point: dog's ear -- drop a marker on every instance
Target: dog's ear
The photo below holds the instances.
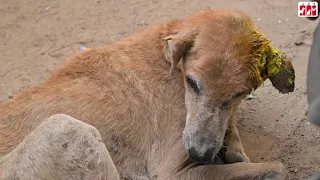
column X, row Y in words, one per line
column 278, row 69
column 284, row 79
column 176, row 46
column 274, row 65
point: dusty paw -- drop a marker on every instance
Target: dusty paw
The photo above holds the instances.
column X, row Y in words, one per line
column 235, row 156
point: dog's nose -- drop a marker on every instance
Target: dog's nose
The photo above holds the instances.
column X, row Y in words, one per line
column 195, row 155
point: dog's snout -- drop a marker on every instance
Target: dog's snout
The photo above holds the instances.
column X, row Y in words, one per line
column 202, row 157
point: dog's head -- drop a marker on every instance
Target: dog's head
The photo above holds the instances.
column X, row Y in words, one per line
column 223, row 58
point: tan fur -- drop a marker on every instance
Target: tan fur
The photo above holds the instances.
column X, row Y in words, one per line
column 127, row 92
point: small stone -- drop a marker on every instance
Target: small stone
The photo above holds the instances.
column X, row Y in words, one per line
column 250, row 96
column 292, row 145
column 259, row 19
column 82, row 48
column 279, row 21
column 122, row 32
column 47, row 8
column 295, row 170
column 299, row 43
column 10, row 95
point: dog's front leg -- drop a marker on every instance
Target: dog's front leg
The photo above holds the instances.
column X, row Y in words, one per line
column 239, row 171
column 234, row 151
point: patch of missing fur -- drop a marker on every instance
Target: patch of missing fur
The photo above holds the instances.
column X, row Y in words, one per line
column 65, row 145
column 91, row 165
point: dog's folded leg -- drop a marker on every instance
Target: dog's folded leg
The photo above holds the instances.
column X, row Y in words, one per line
column 234, row 151
column 238, row 171
column 60, row 148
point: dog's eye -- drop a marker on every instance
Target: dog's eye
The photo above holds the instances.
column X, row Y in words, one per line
column 227, row 104
column 241, row 94
column 193, row 84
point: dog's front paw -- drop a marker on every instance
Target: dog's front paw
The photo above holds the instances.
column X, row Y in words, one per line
column 234, row 155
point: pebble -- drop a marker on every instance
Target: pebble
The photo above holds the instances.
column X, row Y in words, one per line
column 122, row 32
column 47, row 8
column 250, row 96
column 82, row 48
column 10, row 95
column 299, row 43
column 279, row 21
column 295, row 170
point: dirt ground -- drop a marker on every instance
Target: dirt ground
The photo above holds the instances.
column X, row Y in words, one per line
column 36, row 36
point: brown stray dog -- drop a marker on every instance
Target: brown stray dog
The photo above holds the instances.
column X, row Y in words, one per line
column 162, row 99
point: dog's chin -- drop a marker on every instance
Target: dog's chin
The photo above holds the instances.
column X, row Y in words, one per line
column 217, row 158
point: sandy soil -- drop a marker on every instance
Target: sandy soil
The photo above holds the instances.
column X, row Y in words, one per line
column 35, row 36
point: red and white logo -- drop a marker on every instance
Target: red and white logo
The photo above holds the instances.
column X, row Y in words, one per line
column 308, row 9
